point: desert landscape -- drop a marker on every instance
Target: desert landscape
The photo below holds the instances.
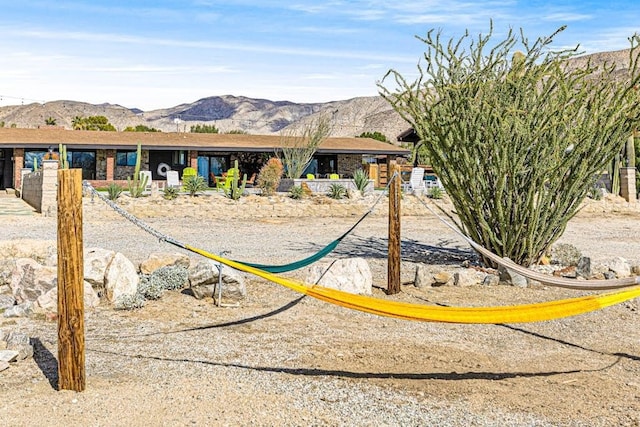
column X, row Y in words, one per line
column 283, row 359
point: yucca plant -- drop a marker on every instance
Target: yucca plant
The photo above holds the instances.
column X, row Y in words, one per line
column 361, row 180
column 170, row 193
column 194, row 185
column 517, row 139
column 114, row 191
column 296, row 192
column 337, row 191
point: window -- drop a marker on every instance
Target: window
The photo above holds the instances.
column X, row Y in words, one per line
column 180, row 158
column 126, row 158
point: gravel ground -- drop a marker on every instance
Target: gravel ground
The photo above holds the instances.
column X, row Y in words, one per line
column 279, row 359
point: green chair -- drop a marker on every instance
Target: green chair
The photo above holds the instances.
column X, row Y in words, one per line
column 225, row 184
column 311, row 176
column 334, row 176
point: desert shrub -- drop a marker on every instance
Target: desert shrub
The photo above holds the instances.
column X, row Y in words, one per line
column 170, row 278
column 269, row 176
column 296, row 192
column 549, row 129
column 435, row 193
column 361, row 180
column 150, row 291
column 337, row 191
column 194, row 185
column 114, row 191
column 129, row 302
column 170, row 193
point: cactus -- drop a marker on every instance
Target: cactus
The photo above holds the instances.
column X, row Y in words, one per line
column 63, row 162
column 137, row 185
column 234, row 192
column 631, row 152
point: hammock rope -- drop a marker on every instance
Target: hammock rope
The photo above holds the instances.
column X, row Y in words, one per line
column 283, row 268
column 559, row 282
column 536, row 312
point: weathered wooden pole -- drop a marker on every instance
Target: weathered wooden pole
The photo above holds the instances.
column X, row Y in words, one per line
column 71, row 369
column 393, row 263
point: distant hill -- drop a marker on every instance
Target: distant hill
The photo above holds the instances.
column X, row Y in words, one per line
column 228, row 113
column 255, row 116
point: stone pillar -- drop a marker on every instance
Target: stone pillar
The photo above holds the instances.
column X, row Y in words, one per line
column 193, row 159
column 628, row 184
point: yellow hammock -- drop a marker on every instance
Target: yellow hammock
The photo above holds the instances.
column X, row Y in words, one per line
column 537, row 312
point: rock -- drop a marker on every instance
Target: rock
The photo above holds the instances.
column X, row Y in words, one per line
column 6, row 301
column 21, row 343
column 511, row 278
column 21, row 310
column 583, row 269
column 96, row 262
column 3, row 366
column 565, row 254
column 620, row 267
column 121, row 278
column 423, row 277
column 491, row 280
column 569, row 271
column 635, row 270
column 9, row 355
column 158, row 260
column 351, row 275
column 48, row 302
column 203, row 280
column 6, row 270
column 42, row 251
column 468, row 277
column 442, row 278
column 31, row 279
column 609, row 275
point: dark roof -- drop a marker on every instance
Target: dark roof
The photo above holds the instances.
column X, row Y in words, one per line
column 409, row 135
column 74, row 139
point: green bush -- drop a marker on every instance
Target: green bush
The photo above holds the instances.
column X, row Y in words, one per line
column 436, row 193
column 194, row 185
column 170, row 193
column 516, row 137
column 337, row 191
column 114, row 191
column 296, row 192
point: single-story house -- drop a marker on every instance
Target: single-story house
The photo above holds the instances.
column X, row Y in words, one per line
column 111, row 156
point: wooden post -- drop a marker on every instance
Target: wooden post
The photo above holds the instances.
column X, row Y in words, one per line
column 393, row 262
column 71, row 369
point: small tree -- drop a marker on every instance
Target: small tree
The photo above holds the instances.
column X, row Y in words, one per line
column 204, row 129
column 269, row 176
column 374, row 135
column 517, row 139
column 299, row 145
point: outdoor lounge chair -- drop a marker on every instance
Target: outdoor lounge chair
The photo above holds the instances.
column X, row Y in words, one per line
column 173, row 179
column 416, row 181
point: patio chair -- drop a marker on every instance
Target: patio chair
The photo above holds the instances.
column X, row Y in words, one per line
column 225, row 183
column 416, row 182
column 311, row 176
column 173, row 179
column 188, row 172
column 334, row 176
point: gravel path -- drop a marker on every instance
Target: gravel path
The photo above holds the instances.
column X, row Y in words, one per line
column 282, row 360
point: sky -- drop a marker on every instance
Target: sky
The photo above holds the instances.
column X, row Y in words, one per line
column 161, row 53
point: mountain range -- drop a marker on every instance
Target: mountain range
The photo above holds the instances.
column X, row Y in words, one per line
column 228, row 113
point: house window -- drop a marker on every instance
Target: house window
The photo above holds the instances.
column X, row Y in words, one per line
column 126, row 158
column 327, row 164
column 180, row 158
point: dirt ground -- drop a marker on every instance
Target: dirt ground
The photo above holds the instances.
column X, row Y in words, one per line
column 281, row 359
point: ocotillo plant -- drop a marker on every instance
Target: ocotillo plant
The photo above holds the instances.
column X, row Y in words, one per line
column 137, row 185
column 517, row 144
column 234, row 192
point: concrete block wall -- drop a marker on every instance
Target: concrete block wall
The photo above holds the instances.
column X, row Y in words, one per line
column 39, row 188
